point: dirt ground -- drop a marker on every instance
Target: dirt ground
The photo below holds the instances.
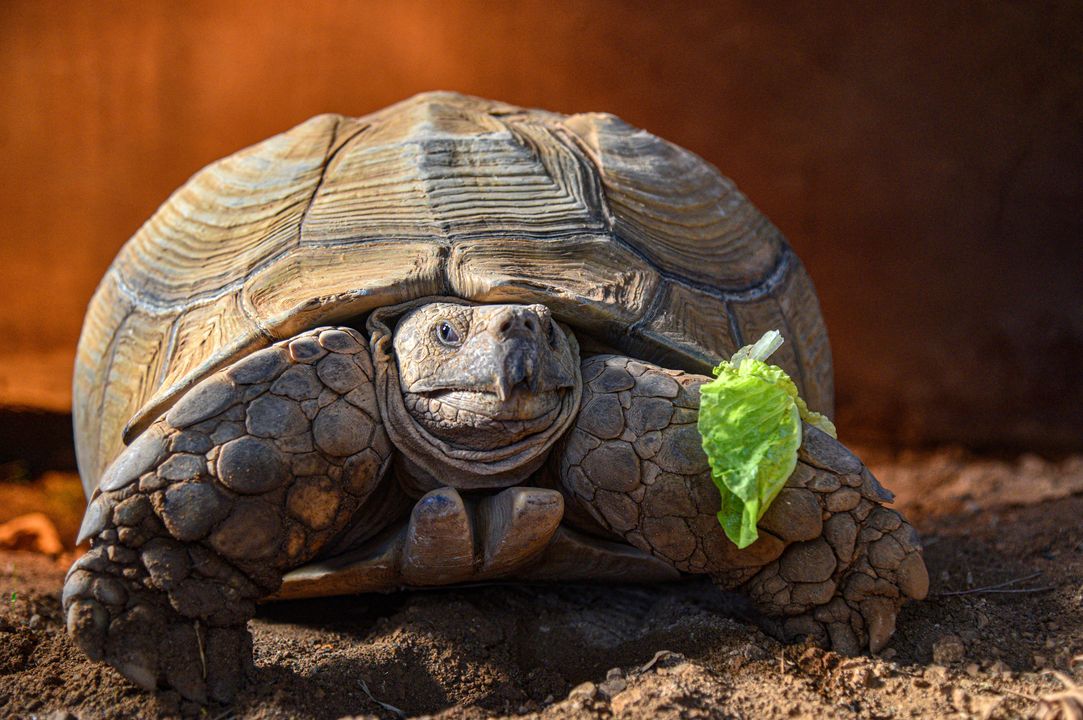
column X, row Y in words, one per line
column 1004, row 545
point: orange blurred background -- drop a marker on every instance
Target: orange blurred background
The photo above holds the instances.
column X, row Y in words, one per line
column 925, row 160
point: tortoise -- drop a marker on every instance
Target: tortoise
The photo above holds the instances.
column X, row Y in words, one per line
column 452, row 341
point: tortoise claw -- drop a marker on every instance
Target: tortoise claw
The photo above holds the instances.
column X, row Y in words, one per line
column 879, row 615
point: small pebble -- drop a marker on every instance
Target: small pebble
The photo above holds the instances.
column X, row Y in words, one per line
column 948, row 649
column 613, row 687
column 62, row 715
column 584, row 691
column 35, row 621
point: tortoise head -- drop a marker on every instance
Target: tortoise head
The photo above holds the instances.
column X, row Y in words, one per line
column 473, row 396
column 483, row 376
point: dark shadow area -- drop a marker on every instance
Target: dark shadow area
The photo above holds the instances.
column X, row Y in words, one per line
column 33, row 442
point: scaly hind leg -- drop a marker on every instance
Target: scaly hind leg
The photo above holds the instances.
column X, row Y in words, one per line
column 831, row 560
column 250, row 474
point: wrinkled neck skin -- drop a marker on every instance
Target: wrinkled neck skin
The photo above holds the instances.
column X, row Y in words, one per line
column 474, row 396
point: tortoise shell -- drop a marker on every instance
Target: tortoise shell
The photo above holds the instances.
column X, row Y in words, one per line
column 638, row 244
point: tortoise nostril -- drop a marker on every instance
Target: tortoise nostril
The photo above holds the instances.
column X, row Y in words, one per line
column 505, row 326
column 529, row 324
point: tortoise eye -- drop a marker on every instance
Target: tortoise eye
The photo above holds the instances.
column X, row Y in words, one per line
column 447, row 334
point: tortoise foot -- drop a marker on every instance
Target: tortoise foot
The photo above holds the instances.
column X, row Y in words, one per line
column 166, row 616
column 844, row 587
column 830, row 559
column 249, row 475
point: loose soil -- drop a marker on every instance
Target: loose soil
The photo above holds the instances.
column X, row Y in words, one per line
column 1004, row 545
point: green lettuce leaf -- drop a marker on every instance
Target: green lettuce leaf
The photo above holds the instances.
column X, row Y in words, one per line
column 750, row 423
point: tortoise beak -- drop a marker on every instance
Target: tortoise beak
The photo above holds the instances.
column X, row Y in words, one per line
column 519, row 367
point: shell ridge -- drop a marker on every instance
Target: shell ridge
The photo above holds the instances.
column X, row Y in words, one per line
column 327, row 157
column 580, row 183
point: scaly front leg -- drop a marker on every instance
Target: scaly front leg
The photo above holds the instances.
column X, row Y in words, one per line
column 830, row 559
column 250, row 474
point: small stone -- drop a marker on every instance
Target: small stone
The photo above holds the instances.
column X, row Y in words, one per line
column 272, row 416
column 948, row 649
column 35, row 621
column 259, row 367
column 584, row 692
column 189, row 510
column 340, row 373
column 340, row 341
column 341, row 429
column 306, row 349
column 610, row 688
column 62, row 715
column 299, row 382
column 205, row 400
column 251, row 465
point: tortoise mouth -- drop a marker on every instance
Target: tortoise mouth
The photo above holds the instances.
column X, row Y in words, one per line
column 480, row 420
column 522, row 404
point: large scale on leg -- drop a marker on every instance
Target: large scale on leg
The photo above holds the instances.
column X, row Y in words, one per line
column 526, row 305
